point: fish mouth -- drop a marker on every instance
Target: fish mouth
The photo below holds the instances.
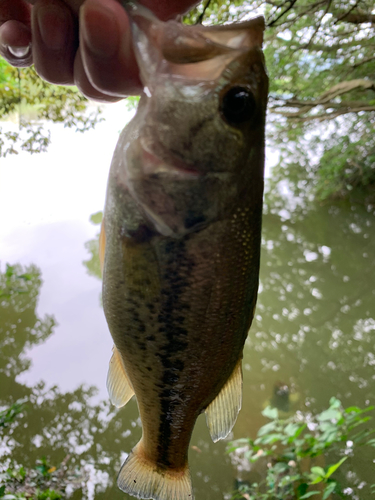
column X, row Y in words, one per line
column 163, row 162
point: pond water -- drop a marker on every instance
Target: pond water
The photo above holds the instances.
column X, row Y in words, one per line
column 314, row 328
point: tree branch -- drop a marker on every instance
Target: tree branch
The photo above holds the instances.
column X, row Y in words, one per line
column 291, row 4
column 323, row 116
column 364, row 61
column 341, row 17
column 318, row 25
column 325, row 101
column 359, row 18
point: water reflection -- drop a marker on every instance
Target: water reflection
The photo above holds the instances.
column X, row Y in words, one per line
column 315, row 315
column 314, row 328
column 313, row 337
column 20, row 327
column 55, row 424
column 92, row 246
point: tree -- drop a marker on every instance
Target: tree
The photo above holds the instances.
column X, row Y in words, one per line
column 321, row 63
column 36, row 103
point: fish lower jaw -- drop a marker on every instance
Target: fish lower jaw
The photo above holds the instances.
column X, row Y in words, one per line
column 152, row 164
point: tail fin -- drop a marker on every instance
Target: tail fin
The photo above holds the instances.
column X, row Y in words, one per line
column 142, row 479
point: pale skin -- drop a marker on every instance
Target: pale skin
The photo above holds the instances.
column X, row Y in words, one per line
column 78, row 42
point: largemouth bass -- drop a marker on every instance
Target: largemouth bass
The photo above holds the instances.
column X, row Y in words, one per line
column 181, row 233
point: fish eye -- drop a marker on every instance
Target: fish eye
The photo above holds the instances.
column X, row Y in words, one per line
column 238, row 105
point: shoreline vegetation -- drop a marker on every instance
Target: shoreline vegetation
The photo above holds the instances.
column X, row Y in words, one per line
column 299, row 456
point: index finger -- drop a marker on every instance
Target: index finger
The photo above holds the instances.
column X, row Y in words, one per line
column 164, row 9
column 15, row 33
column 73, row 4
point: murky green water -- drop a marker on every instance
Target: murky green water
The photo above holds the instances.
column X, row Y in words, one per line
column 314, row 331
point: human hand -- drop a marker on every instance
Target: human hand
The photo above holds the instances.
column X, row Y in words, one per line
column 78, row 42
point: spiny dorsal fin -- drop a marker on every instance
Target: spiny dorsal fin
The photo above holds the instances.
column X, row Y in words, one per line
column 142, row 478
column 119, row 387
column 221, row 414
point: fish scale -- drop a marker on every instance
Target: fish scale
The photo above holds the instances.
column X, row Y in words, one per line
column 180, row 241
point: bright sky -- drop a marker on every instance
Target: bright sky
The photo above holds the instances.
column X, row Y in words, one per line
column 45, row 204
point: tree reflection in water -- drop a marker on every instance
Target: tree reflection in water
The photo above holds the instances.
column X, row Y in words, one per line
column 313, row 335
column 314, row 328
column 55, row 424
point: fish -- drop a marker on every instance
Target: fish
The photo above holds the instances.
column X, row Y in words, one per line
column 180, row 240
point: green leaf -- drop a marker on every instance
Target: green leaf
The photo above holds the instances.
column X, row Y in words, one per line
column 319, row 471
column 271, row 426
column 334, row 467
column 2, row 490
column 309, row 494
column 334, row 403
column 302, row 489
column 328, row 415
column 317, row 475
column 328, row 490
column 291, row 429
column 353, row 409
column 270, row 413
column 96, row 218
column 270, row 438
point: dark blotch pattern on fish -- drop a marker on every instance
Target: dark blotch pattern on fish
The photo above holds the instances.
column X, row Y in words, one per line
column 171, row 325
column 142, row 234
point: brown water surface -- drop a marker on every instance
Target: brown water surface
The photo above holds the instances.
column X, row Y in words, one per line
column 314, row 329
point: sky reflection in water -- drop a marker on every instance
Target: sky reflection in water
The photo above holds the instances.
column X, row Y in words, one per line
column 314, row 330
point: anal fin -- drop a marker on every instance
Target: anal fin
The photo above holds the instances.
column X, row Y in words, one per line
column 142, row 478
column 221, row 413
column 119, row 387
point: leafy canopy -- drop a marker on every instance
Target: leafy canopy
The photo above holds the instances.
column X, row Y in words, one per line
column 321, row 64
column 33, row 101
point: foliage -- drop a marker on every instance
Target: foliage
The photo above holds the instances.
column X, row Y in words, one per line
column 92, row 246
column 291, row 448
column 20, row 326
column 8, row 415
column 12, row 282
column 320, row 58
column 36, row 102
column 41, row 482
column 54, row 444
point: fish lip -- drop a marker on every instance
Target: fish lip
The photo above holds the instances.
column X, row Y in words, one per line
column 156, row 163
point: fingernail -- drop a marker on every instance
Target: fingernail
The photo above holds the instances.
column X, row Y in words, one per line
column 99, row 29
column 19, row 52
column 53, row 22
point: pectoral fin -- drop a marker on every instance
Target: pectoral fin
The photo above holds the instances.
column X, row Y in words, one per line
column 221, row 414
column 119, row 387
